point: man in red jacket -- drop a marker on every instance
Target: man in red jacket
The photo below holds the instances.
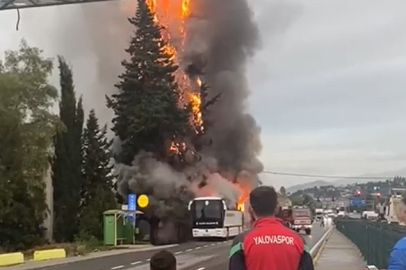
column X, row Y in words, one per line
column 269, row 245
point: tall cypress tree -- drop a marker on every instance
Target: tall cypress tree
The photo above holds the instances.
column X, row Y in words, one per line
column 97, row 194
column 66, row 164
column 147, row 112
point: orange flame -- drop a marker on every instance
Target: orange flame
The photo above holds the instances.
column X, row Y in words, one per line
column 177, row 148
column 244, row 195
column 172, row 15
column 197, row 115
column 198, row 81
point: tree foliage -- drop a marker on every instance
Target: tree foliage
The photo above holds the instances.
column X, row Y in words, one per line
column 26, row 131
column 148, row 115
column 66, row 165
column 97, row 195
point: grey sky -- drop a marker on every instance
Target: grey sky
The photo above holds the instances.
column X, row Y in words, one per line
column 330, row 89
column 328, row 83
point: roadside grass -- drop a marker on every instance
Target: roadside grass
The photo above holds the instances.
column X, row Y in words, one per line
column 80, row 247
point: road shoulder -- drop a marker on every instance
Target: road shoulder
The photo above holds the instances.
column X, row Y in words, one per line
column 31, row 264
column 340, row 253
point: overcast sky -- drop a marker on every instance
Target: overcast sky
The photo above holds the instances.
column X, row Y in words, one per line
column 328, row 83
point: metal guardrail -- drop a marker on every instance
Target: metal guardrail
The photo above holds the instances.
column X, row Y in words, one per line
column 316, row 248
column 374, row 239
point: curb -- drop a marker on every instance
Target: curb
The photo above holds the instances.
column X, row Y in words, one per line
column 318, row 247
column 54, row 261
column 49, row 254
column 8, row 259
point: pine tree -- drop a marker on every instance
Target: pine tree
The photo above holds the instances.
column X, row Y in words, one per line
column 97, row 194
column 66, row 165
column 147, row 113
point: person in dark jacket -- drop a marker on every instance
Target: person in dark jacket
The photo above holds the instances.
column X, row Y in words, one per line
column 397, row 258
column 269, row 245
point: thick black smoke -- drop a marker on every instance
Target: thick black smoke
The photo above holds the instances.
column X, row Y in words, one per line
column 221, row 36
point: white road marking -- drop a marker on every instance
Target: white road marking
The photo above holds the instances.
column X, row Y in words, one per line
column 198, row 247
column 205, row 246
column 117, row 267
column 134, row 263
column 148, row 260
column 201, row 268
column 187, row 250
column 179, row 252
column 212, row 244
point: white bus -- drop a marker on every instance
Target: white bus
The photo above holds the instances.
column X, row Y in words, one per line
column 212, row 219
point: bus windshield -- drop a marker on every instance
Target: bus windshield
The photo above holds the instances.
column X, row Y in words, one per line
column 208, row 209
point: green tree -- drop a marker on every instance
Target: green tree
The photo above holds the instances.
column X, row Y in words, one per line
column 66, row 165
column 26, row 130
column 148, row 115
column 296, row 199
column 97, row 194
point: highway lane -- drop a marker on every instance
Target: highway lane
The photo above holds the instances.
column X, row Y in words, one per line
column 220, row 261
column 190, row 256
column 128, row 259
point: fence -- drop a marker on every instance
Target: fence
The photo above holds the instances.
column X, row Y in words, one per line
column 374, row 239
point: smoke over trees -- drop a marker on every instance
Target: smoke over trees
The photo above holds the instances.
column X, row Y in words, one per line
column 147, row 114
column 159, row 150
column 170, row 143
column 218, row 42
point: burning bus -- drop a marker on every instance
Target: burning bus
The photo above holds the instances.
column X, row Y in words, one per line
column 212, row 219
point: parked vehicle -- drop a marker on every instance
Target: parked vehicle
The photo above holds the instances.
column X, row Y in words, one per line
column 298, row 218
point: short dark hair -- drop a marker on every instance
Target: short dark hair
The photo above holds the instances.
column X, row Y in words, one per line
column 163, row 260
column 264, row 200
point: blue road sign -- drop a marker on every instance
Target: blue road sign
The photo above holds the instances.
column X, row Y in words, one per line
column 131, row 200
column 357, row 201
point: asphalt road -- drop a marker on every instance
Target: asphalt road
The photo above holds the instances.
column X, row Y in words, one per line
column 190, row 256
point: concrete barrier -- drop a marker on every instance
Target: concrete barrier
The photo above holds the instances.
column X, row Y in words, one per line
column 11, row 258
column 49, row 254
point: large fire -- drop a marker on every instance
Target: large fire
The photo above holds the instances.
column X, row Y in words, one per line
column 244, row 194
column 171, row 15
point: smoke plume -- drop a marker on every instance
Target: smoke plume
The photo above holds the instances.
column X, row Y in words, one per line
column 220, row 37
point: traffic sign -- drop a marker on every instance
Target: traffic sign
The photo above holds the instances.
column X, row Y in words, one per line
column 143, row 201
column 357, row 201
column 131, row 198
